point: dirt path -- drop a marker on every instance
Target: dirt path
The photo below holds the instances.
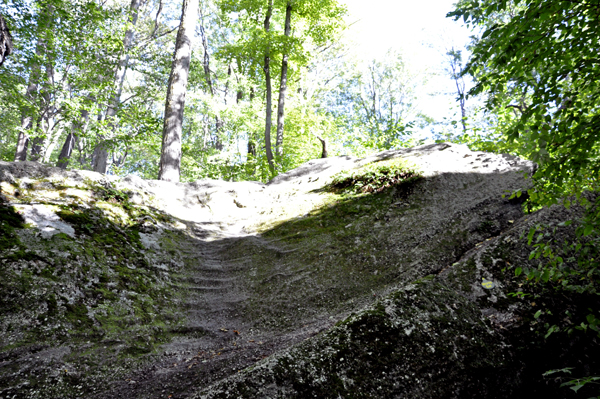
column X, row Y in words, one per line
column 218, row 338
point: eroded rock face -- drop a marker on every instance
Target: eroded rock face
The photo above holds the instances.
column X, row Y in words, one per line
column 147, row 289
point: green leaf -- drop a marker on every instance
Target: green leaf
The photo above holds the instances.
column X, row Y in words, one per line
column 565, row 370
column 577, row 387
column 530, row 235
column 551, row 330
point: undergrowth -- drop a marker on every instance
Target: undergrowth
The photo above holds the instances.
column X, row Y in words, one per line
column 375, row 177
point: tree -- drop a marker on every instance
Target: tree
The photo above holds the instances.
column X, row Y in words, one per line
column 6, row 45
column 60, row 58
column 268, row 86
column 28, row 112
column 170, row 160
column 455, row 69
column 373, row 102
column 307, row 25
column 100, row 156
column 539, row 62
column 283, row 82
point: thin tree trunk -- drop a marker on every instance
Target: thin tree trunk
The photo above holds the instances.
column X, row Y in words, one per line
column 218, row 145
column 100, row 156
column 50, row 136
column 323, row 146
column 267, row 69
column 170, row 159
column 69, row 145
column 27, row 115
column 283, row 84
column 206, row 61
column 220, row 123
column 6, row 44
column 455, row 66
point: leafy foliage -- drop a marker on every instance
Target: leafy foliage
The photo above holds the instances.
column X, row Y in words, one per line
column 373, row 103
column 537, row 62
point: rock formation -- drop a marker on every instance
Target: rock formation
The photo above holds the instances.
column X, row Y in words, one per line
column 144, row 289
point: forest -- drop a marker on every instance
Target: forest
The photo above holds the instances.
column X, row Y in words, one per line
column 246, row 90
column 240, row 90
column 268, row 85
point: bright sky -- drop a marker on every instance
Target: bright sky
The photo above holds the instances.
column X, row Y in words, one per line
column 419, row 29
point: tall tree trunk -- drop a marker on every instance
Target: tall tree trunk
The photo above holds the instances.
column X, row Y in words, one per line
column 206, row 64
column 455, row 60
column 6, row 44
column 100, row 156
column 42, row 143
column 27, row 115
column 69, row 145
column 283, row 83
column 267, row 69
column 170, row 158
column 49, row 133
column 206, row 61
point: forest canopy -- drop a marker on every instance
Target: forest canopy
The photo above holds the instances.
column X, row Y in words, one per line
column 271, row 85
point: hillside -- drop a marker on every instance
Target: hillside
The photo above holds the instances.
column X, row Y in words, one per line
column 296, row 288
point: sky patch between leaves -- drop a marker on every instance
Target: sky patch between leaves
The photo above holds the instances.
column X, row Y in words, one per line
column 421, row 31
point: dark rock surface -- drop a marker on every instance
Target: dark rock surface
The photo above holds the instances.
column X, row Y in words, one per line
column 149, row 289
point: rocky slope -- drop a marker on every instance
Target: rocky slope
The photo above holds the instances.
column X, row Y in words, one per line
column 148, row 289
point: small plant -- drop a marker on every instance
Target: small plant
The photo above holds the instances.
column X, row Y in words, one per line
column 376, row 177
column 575, row 384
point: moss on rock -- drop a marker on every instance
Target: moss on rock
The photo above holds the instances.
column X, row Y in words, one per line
column 423, row 341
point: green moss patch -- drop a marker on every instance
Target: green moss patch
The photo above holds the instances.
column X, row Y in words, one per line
column 97, row 290
column 376, row 177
